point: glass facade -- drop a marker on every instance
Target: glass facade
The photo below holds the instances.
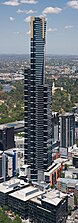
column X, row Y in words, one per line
column 37, row 98
column 67, row 130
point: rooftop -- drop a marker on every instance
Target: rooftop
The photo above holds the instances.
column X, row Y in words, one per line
column 52, row 169
column 71, row 170
column 16, row 125
column 10, row 185
column 66, row 114
column 60, row 160
column 26, row 193
column 68, row 181
column 51, row 196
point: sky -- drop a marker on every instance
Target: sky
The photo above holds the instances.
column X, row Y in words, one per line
column 62, row 25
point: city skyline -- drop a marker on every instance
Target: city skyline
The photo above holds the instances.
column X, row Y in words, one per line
column 62, row 27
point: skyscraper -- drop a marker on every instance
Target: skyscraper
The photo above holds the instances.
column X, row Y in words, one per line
column 37, row 98
column 67, row 130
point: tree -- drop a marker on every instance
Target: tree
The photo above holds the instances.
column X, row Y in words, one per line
column 13, row 107
column 17, row 219
column 3, row 217
column 77, row 142
column 66, row 166
column 63, row 175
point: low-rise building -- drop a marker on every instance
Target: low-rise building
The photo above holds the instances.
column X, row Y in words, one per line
column 19, row 200
column 53, row 172
column 8, row 187
column 66, row 185
column 71, row 172
column 6, row 137
column 51, row 207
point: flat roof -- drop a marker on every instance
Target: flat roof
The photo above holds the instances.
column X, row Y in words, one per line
column 26, row 193
column 51, row 196
column 66, row 114
column 71, row 170
column 8, row 186
column 57, row 165
column 16, row 125
column 60, row 160
column 25, row 166
column 68, row 181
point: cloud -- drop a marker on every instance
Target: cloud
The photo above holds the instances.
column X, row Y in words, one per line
column 52, row 29
column 73, row 4
column 11, row 3
column 27, row 19
column 68, row 27
column 11, row 18
column 51, row 10
column 28, row 1
column 18, row 2
column 20, row 11
column 31, row 11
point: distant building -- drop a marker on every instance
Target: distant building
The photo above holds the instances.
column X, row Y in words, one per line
column 75, row 109
column 19, row 145
column 67, row 70
column 76, row 126
column 18, row 126
column 73, row 69
column 8, row 164
column 1, row 160
column 55, row 126
column 67, row 185
column 75, row 160
column 6, row 137
column 67, row 130
column 63, row 152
